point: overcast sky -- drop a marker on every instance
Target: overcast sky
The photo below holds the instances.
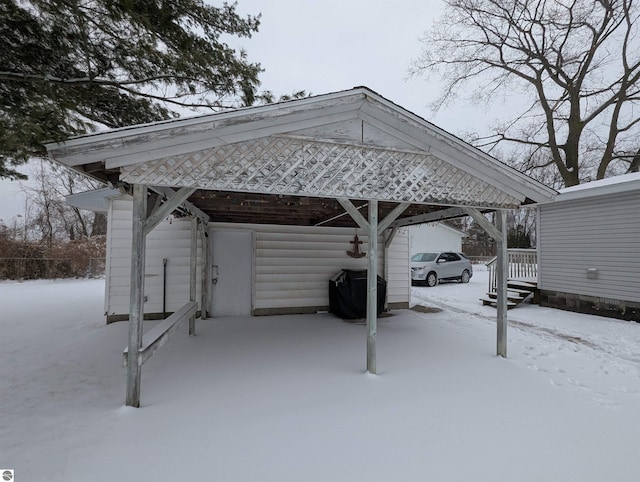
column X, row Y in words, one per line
column 326, row 46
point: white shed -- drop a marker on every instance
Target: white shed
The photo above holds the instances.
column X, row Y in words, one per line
column 435, row 237
column 589, row 248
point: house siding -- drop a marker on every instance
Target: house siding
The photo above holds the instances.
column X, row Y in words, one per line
column 293, row 265
column 398, row 270
column 434, row 237
column 171, row 240
column 601, row 232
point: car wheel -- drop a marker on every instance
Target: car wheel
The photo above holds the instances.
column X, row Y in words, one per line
column 432, row 279
column 465, row 276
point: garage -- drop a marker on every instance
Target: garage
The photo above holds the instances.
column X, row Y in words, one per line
column 349, row 160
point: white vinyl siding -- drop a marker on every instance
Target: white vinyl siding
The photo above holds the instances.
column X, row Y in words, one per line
column 170, row 239
column 601, row 232
column 398, row 273
column 434, row 237
column 293, row 264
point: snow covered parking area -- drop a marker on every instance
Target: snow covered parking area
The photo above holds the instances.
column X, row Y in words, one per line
column 286, row 398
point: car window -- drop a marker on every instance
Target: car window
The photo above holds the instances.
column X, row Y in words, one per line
column 423, row 257
column 453, row 257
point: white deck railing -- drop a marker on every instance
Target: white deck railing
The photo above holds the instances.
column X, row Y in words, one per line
column 523, row 265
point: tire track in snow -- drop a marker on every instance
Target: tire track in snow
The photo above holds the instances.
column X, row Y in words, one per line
column 548, row 332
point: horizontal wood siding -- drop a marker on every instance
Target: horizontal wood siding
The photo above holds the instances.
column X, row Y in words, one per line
column 170, row 239
column 308, row 257
column 293, row 264
column 601, row 232
column 398, row 268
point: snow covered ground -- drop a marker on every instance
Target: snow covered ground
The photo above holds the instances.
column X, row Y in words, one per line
column 286, row 398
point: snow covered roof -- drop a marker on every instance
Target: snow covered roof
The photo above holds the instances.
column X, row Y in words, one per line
column 97, row 200
column 610, row 185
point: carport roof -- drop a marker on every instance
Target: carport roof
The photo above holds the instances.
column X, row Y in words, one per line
column 288, row 162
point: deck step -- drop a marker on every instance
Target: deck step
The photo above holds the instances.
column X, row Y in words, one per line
column 511, row 295
column 521, row 292
column 493, row 302
column 530, row 285
column 517, row 291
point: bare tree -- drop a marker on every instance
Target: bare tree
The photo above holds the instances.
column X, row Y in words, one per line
column 521, row 227
column 51, row 217
column 573, row 66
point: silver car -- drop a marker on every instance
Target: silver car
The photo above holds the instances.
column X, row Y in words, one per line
column 430, row 268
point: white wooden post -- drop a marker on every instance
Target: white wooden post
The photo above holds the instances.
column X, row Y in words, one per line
column 502, row 268
column 538, row 252
column 387, row 244
column 374, row 229
column 192, row 272
column 372, row 287
column 204, row 271
column 136, row 297
column 499, row 233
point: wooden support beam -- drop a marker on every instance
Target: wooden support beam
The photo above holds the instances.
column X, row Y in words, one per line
column 498, row 233
column 154, row 200
column 389, row 239
column 192, row 271
column 371, row 226
column 167, row 208
column 159, row 334
column 538, row 253
column 136, row 296
column 502, row 269
column 484, row 223
column 441, row 215
column 387, row 244
column 338, row 216
column 167, row 192
column 204, row 266
column 372, row 287
column 354, row 213
column 392, row 216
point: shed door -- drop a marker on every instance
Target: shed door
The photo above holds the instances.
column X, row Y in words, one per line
column 231, row 272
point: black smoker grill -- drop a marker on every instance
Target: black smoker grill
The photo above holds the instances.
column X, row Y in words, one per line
column 348, row 294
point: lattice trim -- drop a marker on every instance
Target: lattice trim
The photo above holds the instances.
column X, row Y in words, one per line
column 280, row 165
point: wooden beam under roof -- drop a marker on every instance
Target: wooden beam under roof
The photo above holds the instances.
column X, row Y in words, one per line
column 227, row 206
column 430, row 217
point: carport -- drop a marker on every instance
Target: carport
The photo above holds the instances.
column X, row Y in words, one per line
column 349, row 158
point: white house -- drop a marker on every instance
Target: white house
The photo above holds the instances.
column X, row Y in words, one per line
column 435, row 237
column 589, row 248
